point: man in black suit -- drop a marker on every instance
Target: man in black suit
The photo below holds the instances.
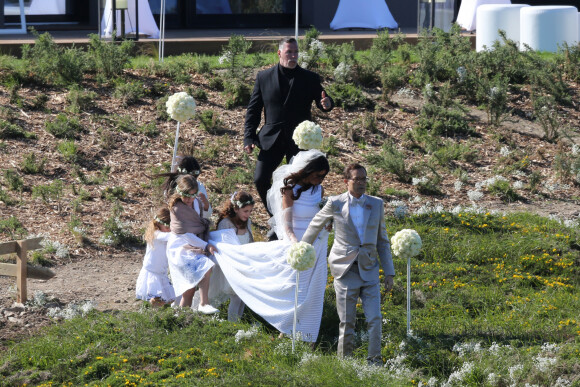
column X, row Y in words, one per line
column 285, row 93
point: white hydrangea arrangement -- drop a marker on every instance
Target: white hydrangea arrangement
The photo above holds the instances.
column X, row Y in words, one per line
column 180, row 106
column 308, row 135
column 406, row 243
column 301, row 256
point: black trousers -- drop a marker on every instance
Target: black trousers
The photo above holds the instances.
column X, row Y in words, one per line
column 268, row 161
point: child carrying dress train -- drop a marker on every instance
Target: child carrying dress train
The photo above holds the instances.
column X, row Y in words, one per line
column 187, row 248
column 235, row 214
column 188, row 165
column 153, row 283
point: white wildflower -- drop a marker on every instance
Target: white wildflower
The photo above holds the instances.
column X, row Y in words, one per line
column 518, row 185
column 416, row 199
column 494, row 92
column 397, row 365
column 543, row 364
column 316, row 45
column 401, row 212
column 457, row 185
column 461, row 74
column 575, row 150
column 515, row 371
column 406, row 92
column 493, row 378
column 561, row 382
column 422, row 180
column 458, row 376
column 342, row 72
column 308, row 357
column 505, row 151
column 428, row 91
column 495, row 348
column 244, row 335
column 464, row 348
column 475, row 195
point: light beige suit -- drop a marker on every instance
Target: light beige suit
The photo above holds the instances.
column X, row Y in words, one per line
column 354, row 264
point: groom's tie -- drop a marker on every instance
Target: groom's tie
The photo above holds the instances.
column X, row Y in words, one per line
column 358, row 202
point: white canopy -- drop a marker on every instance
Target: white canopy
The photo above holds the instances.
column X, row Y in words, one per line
column 373, row 14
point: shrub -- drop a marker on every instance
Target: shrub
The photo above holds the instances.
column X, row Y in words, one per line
column 39, row 102
column 116, row 232
column 216, row 83
column 13, row 181
column 161, row 108
column 79, row 99
column 546, row 114
column 51, row 63
column 233, row 56
column 69, row 151
column 114, row 193
column 393, row 161
column 10, row 130
column 228, row 180
column 210, row 121
column 31, row 166
column 13, row 228
column 348, row 96
column 237, row 94
column 392, row 78
column 109, row 58
column 129, row 92
column 504, row 191
column 197, row 93
column 202, row 64
column 150, row 129
column 64, row 127
column 443, row 121
column 49, row 192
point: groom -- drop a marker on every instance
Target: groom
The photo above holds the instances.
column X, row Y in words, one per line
column 360, row 243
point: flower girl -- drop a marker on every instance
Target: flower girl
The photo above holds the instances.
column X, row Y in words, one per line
column 235, row 214
column 187, row 248
column 153, row 283
column 188, row 165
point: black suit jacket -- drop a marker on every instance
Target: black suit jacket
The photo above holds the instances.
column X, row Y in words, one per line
column 280, row 116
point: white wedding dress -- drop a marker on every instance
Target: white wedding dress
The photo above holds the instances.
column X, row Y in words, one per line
column 261, row 277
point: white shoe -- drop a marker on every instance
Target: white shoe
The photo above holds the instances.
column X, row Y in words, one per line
column 207, row 309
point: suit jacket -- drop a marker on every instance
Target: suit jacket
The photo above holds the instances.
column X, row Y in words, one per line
column 280, row 115
column 347, row 246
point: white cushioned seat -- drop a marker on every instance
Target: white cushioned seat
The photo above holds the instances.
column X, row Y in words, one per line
column 544, row 28
column 494, row 17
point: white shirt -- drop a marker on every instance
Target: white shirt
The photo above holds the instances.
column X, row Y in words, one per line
column 357, row 214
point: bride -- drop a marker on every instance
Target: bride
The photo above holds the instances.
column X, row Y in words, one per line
column 258, row 272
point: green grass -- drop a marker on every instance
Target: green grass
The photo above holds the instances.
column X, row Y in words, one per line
column 495, row 301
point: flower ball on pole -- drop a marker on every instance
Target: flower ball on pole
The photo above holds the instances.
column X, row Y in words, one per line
column 180, row 107
column 307, row 135
column 407, row 244
column 301, row 256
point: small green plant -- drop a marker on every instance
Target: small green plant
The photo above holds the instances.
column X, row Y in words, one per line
column 49, row 192
column 546, row 114
column 80, row 100
column 116, row 232
column 211, row 148
column 13, row 181
column 129, row 93
column 78, row 230
column 5, row 198
column 335, row 165
column 39, row 102
column 237, row 94
column 233, row 56
column 216, row 83
column 13, row 228
column 393, row 161
column 202, row 64
column 13, row 85
column 109, row 59
column 69, row 151
column 64, row 127
column 161, row 108
column 38, row 258
column 329, row 146
column 348, row 96
column 197, row 93
column 210, row 121
column 10, row 130
column 114, row 193
column 228, row 180
column 503, row 189
column 149, row 129
column 392, row 78
column 31, row 166
column 99, row 179
column 497, row 103
column 396, row 192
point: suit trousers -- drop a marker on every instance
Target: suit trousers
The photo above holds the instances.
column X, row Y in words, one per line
column 348, row 290
column 268, row 161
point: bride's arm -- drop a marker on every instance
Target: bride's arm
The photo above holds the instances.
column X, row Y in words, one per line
column 287, row 204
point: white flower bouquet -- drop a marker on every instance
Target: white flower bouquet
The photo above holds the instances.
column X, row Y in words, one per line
column 180, row 106
column 301, row 256
column 308, row 135
column 406, row 243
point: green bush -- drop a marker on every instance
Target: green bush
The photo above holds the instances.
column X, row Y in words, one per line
column 109, row 58
column 64, row 127
column 12, row 227
column 31, row 166
column 53, row 64
column 393, row 161
column 69, row 151
column 49, row 192
column 210, row 121
column 13, row 181
column 443, row 121
column 129, row 93
column 504, row 191
column 79, row 99
column 228, row 180
column 348, row 96
column 10, row 130
column 392, row 78
column 237, row 94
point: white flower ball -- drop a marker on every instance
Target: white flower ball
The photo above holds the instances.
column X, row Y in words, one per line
column 308, row 135
column 180, row 106
column 406, row 243
column 301, row 256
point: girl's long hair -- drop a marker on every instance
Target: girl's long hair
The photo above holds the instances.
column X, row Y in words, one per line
column 187, row 166
column 185, row 183
column 227, row 208
column 318, row 164
column 163, row 215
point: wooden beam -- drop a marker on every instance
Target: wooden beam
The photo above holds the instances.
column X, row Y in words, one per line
column 35, row 272
column 12, row 246
column 21, row 266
